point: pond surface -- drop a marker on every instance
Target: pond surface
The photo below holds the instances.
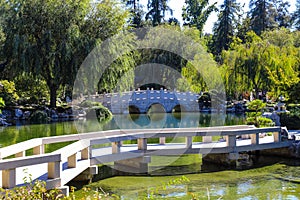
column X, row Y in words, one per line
column 277, row 179
column 269, row 182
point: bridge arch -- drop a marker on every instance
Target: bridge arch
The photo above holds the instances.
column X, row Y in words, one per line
column 132, row 109
column 156, row 108
column 178, row 108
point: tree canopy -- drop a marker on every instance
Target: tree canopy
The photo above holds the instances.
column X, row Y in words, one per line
column 51, row 38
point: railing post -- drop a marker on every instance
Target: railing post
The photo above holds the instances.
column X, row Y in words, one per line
column 9, row 178
column 20, row 154
column 188, row 141
column 206, row 139
column 277, row 136
column 85, row 153
column 231, row 141
column 54, row 170
column 38, row 150
column 254, row 138
column 72, row 160
column 142, row 144
column 116, row 147
column 162, row 140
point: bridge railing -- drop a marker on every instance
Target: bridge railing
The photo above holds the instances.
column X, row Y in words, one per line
column 9, row 168
column 85, row 144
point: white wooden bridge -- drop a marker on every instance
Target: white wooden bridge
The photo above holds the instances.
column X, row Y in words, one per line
column 89, row 149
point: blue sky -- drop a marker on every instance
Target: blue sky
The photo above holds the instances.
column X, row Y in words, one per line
column 176, row 5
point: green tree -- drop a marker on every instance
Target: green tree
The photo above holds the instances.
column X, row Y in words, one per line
column 262, row 14
column 136, row 12
column 51, row 38
column 225, row 27
column 266, row 63
column 157, row 10
column 283, row 16
column 8, row 93
column 296, row 15
column 255, row 117
column 196, row 12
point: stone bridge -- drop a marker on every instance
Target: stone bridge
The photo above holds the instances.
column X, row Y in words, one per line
column 141, row 101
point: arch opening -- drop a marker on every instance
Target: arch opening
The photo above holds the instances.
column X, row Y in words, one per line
column 133, row 110
column 177, row 109
column 156, row 108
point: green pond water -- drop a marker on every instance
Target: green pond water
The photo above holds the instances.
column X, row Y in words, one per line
column 271, row 178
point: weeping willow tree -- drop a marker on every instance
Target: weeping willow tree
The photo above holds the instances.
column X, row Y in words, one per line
column 268, row 63
column 51, row 38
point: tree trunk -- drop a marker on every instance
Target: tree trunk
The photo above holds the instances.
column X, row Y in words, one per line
column 53, row 95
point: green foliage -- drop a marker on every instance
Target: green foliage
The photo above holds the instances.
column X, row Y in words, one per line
column 224, row 28
column 2, row 104
column 39, row 117
column 266, row 63
column 32, row 190
column 31, row 89
column 157, row 10
column 195, row 13
column 296, row 15
column 51, row 38
column 254, row 117
column 8, row 94
column 262, row 15
column 96, row 109
column 292, row 119
column 156, row 192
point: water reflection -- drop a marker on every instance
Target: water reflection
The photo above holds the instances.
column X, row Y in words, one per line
column 173, row 120
column 15, row 134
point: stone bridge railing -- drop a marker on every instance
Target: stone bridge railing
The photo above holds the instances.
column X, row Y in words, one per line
column 142, row 100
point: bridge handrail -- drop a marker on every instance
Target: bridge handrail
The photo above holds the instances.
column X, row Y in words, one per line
column 19, row 147
column 84, row 143
column 183, row 133
column 28, row 161
column 167, row 132
column 72, row 149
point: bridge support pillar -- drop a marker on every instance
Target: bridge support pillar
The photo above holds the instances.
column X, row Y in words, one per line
column 9, row 178
column 132, row 166
column 87, row 175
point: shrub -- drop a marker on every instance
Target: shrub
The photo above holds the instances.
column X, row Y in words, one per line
column 255, row 118
column 291, row 120
column 102, row 113
column 8, row 93
column 39, row 116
